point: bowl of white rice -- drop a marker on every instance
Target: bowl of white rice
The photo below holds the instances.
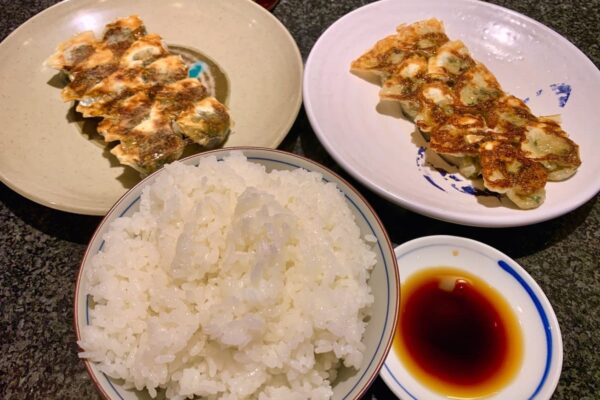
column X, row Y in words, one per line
column 240, row 273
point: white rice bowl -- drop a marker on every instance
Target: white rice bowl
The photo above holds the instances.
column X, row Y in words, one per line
column 231, row 282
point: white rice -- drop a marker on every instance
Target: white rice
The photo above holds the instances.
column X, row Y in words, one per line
column 231, row 283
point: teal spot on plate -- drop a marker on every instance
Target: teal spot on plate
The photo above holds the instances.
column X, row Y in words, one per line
column 195, row 70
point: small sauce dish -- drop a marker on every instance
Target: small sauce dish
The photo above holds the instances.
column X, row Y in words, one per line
column 467, row 270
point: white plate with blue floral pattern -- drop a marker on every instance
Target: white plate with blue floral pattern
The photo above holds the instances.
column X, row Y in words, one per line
column 381, row 150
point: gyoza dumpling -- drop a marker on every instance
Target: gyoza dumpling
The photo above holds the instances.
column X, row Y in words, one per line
column 403, row 82
column 422, row 37
column 206, row 122
column 506, row 170
column 126, row 115
column 450, row 60
column 546, row 143
column 120, row 34
column 73, row 52
column 146, row 150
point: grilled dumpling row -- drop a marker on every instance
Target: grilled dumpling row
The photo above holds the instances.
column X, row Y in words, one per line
column 143, row 93
column 460, row 107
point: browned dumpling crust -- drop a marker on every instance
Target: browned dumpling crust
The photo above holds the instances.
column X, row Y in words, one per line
column 459, row 106
column 142, row 92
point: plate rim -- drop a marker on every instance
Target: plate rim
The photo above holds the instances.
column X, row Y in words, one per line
column 29, row 191
column 461, row 218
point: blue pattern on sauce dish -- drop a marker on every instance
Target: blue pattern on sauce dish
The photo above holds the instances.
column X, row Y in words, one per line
column 542, row 363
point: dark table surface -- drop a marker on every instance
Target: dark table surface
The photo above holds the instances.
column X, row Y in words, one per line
column 40, row 248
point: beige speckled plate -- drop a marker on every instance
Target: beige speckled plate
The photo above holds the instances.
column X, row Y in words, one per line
column 43, row 153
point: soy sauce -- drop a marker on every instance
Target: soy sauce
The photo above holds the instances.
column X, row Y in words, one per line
column 456, row 334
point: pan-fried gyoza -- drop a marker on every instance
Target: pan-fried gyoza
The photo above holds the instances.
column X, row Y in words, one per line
column 460, row 108
column 142, row 92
